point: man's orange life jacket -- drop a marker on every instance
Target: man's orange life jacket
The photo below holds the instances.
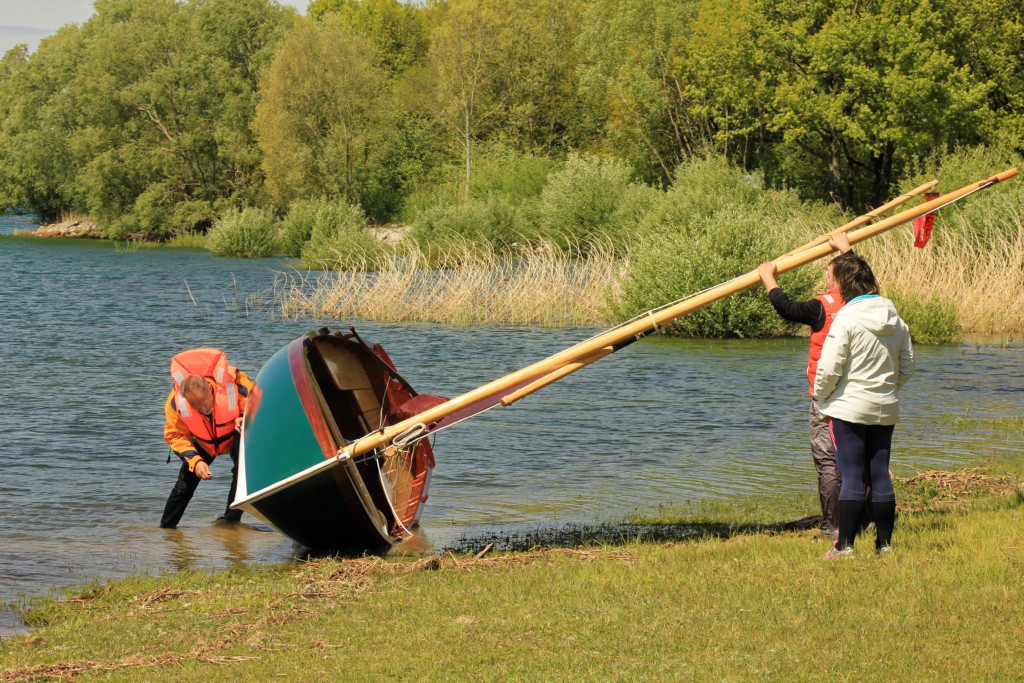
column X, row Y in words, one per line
column 832, row 300
column 215, row 431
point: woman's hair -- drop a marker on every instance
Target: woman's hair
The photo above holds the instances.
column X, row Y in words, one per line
column 842, row 257
column 854, row 277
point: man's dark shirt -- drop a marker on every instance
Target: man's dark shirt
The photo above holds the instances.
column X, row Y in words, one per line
column 804, row 312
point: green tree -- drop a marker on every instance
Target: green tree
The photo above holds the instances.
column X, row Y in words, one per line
column 988, row 38
column 858, row 88
column 38, row 117
column 629, row 76
column 398, row 31
column 323, row 107
column 536, row 79
column 169, row 91
column 141, row 115
column 466, row 56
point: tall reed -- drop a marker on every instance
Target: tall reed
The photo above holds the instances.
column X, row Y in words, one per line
column 481, row 286
column 974, row 266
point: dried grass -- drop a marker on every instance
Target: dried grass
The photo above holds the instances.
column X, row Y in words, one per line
column 161, row 596
column 480, row 286
column 944, row 490
column 72, row 670
column 355, row 572
column 977, row 268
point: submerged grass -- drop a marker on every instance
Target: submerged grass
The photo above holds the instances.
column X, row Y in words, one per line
column 740, row 606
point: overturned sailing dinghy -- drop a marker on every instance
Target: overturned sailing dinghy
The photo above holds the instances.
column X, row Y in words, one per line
column 322, row 391
column 334, row 452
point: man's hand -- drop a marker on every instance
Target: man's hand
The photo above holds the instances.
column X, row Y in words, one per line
column 238, row 423
column 767, row 273
column 202, row 470
column 840, row 242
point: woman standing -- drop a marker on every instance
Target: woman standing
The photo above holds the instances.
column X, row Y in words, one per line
column 865, row 360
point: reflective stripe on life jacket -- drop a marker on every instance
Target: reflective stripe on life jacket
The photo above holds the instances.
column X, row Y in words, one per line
column 217, row 431
column 832, row 301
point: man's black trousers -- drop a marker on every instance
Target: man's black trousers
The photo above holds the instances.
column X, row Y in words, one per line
column 186, row 485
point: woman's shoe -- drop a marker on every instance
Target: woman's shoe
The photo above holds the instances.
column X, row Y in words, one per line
column 836, row 554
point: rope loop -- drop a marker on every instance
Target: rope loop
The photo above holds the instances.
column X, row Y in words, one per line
column 410, row 436
column 654, row 323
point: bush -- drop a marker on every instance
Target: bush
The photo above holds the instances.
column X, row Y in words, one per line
column 497, row 170
column 187, row 240
column 339, row 238
column 247, row 233
column 297, row 225
column 581, row 202
column 504, row 171
column 716, row 224
column 708, row 253
column 931, row 320
column 495, row 220
column 411, row 155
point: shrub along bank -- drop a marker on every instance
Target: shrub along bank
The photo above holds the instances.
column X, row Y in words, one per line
column 713, row 223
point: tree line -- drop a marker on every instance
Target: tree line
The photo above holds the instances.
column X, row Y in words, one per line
column 160, row 116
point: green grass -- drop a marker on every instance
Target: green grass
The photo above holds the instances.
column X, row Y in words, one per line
column 187, row 240
column 993, row 424
column 739, row 607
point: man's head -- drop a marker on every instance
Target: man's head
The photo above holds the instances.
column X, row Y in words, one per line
column 197, row 391
column 853, row 276
column 830, row 277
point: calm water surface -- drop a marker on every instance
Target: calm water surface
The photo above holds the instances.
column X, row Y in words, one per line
column 86, row 334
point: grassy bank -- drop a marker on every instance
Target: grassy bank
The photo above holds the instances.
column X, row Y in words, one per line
column 740, row 605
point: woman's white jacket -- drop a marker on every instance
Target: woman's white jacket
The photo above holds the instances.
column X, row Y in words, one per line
column 866, row 359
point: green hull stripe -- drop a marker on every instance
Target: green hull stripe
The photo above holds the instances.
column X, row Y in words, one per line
column 279, row 441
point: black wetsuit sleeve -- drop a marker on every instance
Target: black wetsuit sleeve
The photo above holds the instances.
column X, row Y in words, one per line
column 804, row 312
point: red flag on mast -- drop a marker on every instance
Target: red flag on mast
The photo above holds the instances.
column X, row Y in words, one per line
column 923, row 224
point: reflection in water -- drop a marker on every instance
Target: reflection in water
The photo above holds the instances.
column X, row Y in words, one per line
column 660, row 423
column 191, row 549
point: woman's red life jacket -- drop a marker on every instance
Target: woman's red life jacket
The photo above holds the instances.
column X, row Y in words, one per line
column 216, row 431
column 832, row 301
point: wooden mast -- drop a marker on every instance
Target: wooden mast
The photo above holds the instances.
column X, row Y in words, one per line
column 601, row 345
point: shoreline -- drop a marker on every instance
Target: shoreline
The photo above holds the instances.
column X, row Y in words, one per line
column 75, row 227
column 84, row 227
column 751, row 597
column 295, row 302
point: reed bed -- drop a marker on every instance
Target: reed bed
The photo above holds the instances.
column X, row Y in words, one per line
column 972, row 268
column 477, row 286
column 977, row 267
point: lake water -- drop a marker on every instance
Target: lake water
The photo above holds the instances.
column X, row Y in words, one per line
column 87, row 331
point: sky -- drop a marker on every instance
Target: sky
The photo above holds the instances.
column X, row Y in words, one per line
column 29, row 21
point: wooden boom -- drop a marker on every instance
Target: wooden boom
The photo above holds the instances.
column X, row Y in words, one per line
column 530, row 378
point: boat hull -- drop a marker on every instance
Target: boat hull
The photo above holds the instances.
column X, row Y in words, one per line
column 322, row 391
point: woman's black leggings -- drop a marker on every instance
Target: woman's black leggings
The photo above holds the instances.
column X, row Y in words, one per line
column 862, row 454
